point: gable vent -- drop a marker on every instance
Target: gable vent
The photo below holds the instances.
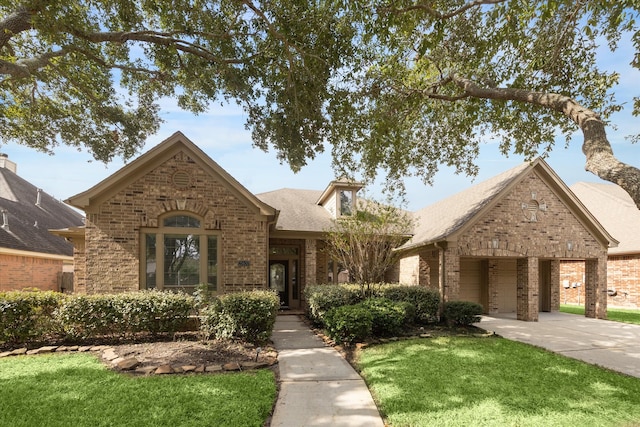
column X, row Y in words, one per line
column 181, row 179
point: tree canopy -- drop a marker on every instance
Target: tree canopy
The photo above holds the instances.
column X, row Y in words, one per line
column 394, row 86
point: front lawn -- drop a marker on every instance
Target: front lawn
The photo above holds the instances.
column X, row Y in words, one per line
column 615, row 314
column 77, row 390
column 471, row 381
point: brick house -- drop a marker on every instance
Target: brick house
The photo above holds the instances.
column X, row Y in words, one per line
column 500, row 243
column 173, row 218
column 617, row 212
column 30, row 256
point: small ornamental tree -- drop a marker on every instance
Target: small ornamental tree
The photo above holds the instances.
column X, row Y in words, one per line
column 364, row 241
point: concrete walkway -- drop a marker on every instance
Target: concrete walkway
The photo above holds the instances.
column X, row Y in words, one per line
column 612, row 345
column 318, row 387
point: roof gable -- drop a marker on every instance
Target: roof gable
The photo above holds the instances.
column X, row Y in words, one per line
column 449, row 218
column 168, row 148
column 30, row 214
column 616, row 210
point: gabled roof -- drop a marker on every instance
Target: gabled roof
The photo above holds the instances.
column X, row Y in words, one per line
column 617, row 212
column 160, row 153
column 298, row 210
column 448, row 218
column 29, row 223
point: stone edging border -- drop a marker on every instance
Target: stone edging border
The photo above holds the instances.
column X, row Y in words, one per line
column 133, row 365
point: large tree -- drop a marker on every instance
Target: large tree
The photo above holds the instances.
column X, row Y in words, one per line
column 397, row 86
column 434, row 79
column 89, row 73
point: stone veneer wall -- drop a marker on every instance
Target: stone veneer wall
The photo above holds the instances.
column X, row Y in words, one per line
column 113, row 228
column 18, row 272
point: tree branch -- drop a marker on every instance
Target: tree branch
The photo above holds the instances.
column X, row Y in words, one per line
column 598, row 152
column 14, row 23
column 437, row 14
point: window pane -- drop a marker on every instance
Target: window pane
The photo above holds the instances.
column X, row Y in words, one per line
column 283, row 250
column 181, row 221
column 346, row 202
column 181, row 260
column 150, row 251
column 212, row 263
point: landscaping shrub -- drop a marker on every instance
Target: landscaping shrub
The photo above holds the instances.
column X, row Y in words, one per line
column 425, row 301
column 388, row 317
column 26, row 315
column 349, row 323
column 322, row 298
column 88, row 316
column 462, row 313
column 248, row 316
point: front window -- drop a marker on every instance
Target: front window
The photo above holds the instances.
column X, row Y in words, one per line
column 180, row 255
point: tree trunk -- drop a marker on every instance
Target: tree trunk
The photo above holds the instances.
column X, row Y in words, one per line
column 596, row 147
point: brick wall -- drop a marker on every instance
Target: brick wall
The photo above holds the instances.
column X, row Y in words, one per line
column 530, row 222
column 623, row 277
column 19, row 272
column 113, row 227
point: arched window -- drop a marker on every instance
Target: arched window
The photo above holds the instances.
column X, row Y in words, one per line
column 179, row 255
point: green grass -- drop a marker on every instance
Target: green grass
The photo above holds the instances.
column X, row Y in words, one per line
column 77, row 390
column 471, row 381
column 615, row 314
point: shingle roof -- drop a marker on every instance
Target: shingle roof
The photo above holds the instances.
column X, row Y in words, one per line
column 443, row 218
column 29, row 223
column 298, row 210
column 615, row 210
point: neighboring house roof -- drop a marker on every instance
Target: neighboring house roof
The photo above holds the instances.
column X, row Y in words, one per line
column 615, row 210
column 157, row 155
column 28, row 223
column 448, row 218
column 299, row 210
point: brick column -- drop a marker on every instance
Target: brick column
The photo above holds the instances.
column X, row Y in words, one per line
column 309, row 263
column 492, row 285
column 555, row 285
column 595, row 288
column 528, row 289
column 450, row 289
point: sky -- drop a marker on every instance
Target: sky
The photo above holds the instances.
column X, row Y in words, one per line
column 220, row 133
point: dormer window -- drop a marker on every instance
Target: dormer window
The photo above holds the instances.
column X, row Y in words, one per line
column 346, row 202
column 339, row 198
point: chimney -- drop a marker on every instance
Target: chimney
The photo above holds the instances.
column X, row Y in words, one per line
column 7, row 164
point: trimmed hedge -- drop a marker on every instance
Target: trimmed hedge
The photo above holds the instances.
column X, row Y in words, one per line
column 322, row 298
column 388, row 317
column 425, row 301
column 156, row 312
column 248, row 316
column 27, row 315
column 462, row 313
column 349, row 323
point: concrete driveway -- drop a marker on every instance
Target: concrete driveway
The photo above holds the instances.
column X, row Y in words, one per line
column 612, row 345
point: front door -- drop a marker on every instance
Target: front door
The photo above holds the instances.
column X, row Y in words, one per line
column 279, row 280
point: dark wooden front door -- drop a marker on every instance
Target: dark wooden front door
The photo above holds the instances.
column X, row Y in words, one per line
column 279, row 280
column 544, row 283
